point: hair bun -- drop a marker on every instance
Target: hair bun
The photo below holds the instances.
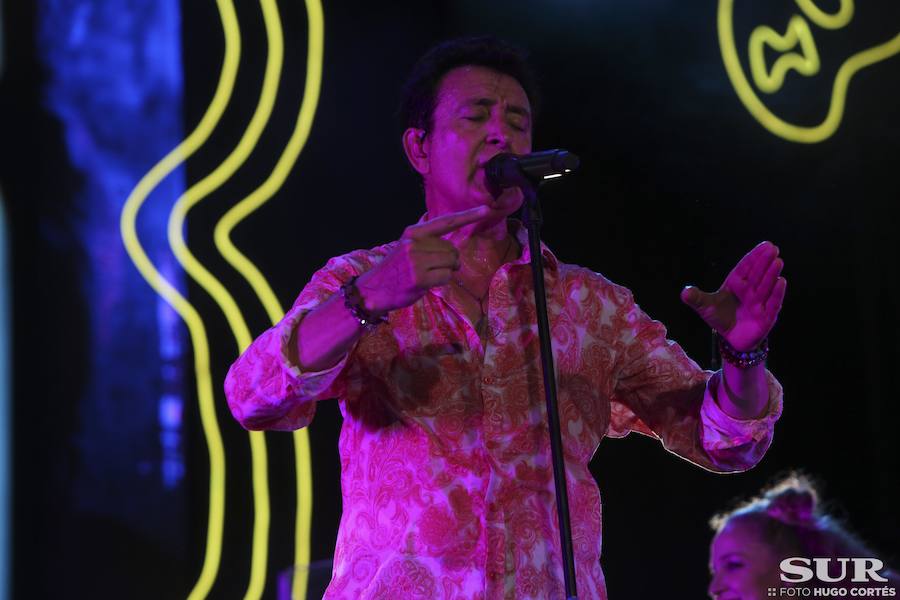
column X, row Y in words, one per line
column 792, row 505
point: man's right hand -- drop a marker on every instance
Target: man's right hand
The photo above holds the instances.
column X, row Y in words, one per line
column 420, row 261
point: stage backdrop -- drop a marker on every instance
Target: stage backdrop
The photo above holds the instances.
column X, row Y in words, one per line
column 176, row 171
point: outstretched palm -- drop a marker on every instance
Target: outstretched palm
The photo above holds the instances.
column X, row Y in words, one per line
column 745, row 307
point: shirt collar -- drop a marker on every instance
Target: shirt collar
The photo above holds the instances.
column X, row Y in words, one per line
column 518, row 229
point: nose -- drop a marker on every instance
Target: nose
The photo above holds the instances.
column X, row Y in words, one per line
column 498, row 132
column 715, row 587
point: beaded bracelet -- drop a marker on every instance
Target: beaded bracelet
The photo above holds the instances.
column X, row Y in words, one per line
column 354, row 302
column 744, row 360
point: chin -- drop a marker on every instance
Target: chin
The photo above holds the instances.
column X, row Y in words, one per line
column 508, row 202
column 508, row 206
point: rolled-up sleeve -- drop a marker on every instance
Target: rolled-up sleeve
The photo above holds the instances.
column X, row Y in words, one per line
column 264, row 388
column 737, row 444
column 661, row 392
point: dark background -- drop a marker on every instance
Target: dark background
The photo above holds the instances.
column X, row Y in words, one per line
column 677, row 182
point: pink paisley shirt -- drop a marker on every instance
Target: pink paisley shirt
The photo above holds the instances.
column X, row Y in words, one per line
column 446, row 475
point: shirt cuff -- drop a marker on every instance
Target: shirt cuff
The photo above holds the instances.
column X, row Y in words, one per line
column 721, row 431
column 312, row 385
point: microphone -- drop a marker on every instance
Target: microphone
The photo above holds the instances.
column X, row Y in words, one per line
column 511, row 170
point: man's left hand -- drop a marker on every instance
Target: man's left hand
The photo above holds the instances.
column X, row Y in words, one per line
column 745, row 307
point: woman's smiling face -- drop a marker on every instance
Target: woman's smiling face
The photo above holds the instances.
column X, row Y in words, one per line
column 742, row 565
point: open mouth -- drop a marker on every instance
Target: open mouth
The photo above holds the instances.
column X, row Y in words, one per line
column 481, row 178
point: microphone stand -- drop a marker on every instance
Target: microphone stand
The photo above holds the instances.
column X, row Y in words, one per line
column 533, row 219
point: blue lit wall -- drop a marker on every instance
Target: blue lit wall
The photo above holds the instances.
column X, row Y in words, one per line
column 115, row 83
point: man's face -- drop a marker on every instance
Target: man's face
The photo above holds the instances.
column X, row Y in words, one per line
column 479, row 113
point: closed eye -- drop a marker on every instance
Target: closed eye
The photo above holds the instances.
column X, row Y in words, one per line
column 733, row 565
column 517, row 121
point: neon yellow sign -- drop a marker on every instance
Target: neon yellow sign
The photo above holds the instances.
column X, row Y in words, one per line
column 806, row 62
column 191, row 316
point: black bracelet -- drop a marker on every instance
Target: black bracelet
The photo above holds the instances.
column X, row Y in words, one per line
column 354, row 302
column 743, row 360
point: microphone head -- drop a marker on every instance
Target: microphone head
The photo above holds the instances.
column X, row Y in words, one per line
column 494, row 170
column 565, row 161
column 511, row 170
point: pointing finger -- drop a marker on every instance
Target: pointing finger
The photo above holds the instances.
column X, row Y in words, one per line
column 446, row 223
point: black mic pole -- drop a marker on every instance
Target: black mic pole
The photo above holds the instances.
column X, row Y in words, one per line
column 531, row 215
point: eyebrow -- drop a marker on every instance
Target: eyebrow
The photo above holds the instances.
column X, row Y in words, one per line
column 489, row 102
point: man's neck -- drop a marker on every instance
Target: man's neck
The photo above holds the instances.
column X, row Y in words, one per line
column 483, row 250
column 483, row 246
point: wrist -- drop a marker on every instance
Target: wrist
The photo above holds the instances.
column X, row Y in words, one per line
column 743, row 359
column 373, row 300
column 743, row 393
column 355, row 303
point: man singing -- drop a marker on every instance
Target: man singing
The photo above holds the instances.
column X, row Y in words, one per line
column 430, row 345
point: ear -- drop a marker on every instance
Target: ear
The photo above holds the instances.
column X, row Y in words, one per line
column 415, row 145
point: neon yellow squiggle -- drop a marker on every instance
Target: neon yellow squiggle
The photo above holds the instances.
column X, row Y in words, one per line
column 315, row 50
column 806, row 63
column 824, row 20
column 236, row 321
column 776, row 125
column 196, row 329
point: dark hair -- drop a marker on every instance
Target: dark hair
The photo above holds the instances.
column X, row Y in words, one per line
column 418, row 99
